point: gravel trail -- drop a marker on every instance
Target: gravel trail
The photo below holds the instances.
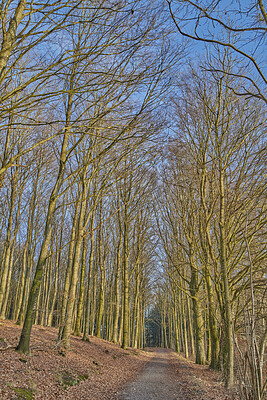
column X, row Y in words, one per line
column 154, row 383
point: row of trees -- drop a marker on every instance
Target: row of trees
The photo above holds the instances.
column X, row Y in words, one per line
column 97, row 268
column 211, row 218
column 96, row 197
column 79, row 80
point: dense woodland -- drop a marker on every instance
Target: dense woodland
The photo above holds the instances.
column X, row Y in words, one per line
column 133, row 176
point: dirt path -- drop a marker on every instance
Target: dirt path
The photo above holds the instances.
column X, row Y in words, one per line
column 169, row 376
column 155, row 382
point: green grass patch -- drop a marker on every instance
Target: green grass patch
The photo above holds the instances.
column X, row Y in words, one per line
column 70, row 378
column 23, row 393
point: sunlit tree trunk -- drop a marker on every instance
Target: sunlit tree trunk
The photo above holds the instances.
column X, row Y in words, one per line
column 8, row 245
column 93, row 300
column 4, row 305
column 228, row 345
column 100, row 309
column 65, row 295
column 46, row 292
column 11, row 257
column 77, row 330
column 54, row 294
column 125, row 336
column 89, row 283
column 197, row 312
column 117, row 290
column 208, row 252
column 136, row 314
column 184, row 319
column 75, row 270
column 175, row 319
column 57, row 269
column 190, row 326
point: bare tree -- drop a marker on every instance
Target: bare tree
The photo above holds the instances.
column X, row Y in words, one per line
column 238, row 27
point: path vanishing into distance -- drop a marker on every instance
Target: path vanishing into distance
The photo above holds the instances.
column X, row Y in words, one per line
column 158, row 380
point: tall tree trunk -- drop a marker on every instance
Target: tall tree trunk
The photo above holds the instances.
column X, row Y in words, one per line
column 8, row 245
column 21, row 285
column 214, row 340
column 66, row 288
column 77, row 330
column 57, row 268
column 117, row 291
column 100, row 301
column 47, row 290
column 190, row 326
column 198, row 318
column 136, row 307
column 4, row 306
column 27, row 257
column 89, row 284
column 125, row 336
column 184, row 319
column 228, row 347
column 11, row 256
column 93, row 301
column 75, row 271
column 208, row 253
column 175, row 317
column 54, row 295
column 120, row 335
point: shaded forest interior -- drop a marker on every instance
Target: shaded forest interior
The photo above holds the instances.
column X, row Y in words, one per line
column 133, row 177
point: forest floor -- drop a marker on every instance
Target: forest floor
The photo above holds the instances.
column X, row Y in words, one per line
column 95, row 370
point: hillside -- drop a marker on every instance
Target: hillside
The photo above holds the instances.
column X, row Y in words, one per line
column 101, row 368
